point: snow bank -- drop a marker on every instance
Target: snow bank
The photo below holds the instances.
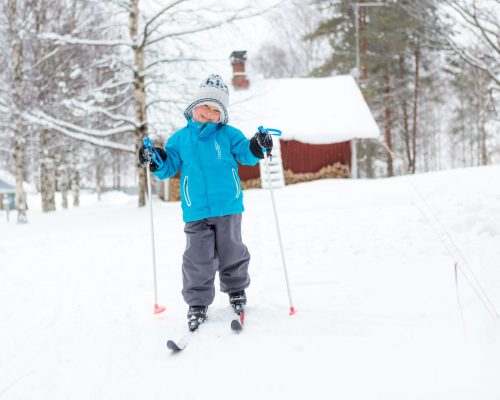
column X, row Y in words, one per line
column 373, row 282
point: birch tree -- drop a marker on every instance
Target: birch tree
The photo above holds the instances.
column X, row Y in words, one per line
column 17, row 18
column 154, row 42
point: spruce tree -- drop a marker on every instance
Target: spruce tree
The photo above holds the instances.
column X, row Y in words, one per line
column 394, row 44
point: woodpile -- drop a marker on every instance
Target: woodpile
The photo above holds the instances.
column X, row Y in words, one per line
column 336, row 170
column 251, row 184
column 174, row 193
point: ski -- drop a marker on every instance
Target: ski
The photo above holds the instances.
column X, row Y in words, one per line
column 196, row 316
column 237, row 324
column 182, row 343
column 179, row 345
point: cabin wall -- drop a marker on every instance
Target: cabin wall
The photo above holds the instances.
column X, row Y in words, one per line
column 302, row 157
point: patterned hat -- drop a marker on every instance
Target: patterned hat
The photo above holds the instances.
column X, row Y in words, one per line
column 212, row 91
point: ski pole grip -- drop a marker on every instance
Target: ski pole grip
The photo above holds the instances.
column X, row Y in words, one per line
column 148, row 143
column 149, row 146
column 264, row 131
column 268, row 131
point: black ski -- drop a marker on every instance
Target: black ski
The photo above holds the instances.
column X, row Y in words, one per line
column 237, row 324
column 182, row 343
column 176, row 346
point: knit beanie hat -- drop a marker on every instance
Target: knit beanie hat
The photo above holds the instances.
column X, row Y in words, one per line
column 212, row 91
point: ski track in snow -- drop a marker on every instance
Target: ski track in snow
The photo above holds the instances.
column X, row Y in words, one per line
column 372, row 282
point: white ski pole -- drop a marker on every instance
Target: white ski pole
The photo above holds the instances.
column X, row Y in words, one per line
column 148, row 144
column 276, row 220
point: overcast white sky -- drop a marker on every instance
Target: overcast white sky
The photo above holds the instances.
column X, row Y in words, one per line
column 246, row 35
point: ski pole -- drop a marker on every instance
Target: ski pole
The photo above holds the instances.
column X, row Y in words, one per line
column 277, row 132
column 148, row 144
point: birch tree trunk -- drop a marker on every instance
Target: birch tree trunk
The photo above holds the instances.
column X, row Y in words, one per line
column 387, row 119
column 47, row 175
column 64, row 187
column 117, row 170
column 75, row 187
column 482, row 137
column 98, row 174
column 45, row 154
column 19, row 136
column 74, row 178
column 139, row 95
column 485, row 158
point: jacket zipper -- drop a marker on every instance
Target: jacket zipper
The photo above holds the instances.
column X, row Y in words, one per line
column 186, row 191
column 238, row 188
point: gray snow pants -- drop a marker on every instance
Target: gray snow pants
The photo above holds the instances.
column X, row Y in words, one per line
column 214, row 244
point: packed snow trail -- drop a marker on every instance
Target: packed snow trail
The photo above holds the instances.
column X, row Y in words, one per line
column 374, row 287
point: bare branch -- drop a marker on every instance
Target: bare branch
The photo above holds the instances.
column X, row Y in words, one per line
column 106, row 112
column 471, row 18
column 41, row 60
column 166, row 101
column 67, row 39
column 236, row 16
column 158, row 15
column 86, row 131
column 471, row 60
column 78, row 135
column 171, row 61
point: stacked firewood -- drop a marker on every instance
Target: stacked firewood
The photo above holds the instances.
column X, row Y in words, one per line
column 336, row 170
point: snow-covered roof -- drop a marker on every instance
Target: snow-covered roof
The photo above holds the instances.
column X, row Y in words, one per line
column 311, row 110
column 9, row 181
column 6, row 188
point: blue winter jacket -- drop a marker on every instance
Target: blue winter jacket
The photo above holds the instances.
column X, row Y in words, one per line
column 206, row 155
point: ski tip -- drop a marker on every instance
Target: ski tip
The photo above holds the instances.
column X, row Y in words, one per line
column 173, row 346
column 236, row 326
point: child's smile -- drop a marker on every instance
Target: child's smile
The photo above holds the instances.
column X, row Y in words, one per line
column 206, row 113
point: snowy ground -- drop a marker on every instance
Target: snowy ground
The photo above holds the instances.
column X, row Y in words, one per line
column 372, row 281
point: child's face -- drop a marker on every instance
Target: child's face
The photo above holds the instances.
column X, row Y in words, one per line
column 206, row 113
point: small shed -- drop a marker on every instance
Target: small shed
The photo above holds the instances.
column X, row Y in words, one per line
column 319, row 118
column 7, row 196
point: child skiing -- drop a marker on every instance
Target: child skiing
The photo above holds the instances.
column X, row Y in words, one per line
column 207, row 151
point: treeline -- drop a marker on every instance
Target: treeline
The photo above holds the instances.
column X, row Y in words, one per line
column 83, row 81
column 429, row 71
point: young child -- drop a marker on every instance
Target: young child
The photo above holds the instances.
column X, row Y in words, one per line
column 207, row 151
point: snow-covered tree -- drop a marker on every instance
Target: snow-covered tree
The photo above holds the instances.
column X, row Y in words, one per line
column 15, row 18
column 469, row 33
column 395, row 50
column 156, row 42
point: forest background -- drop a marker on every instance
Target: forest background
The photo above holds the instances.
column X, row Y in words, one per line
column 82, row 82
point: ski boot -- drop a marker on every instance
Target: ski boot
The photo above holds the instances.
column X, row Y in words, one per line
column 196, row 316
column 238, row 300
